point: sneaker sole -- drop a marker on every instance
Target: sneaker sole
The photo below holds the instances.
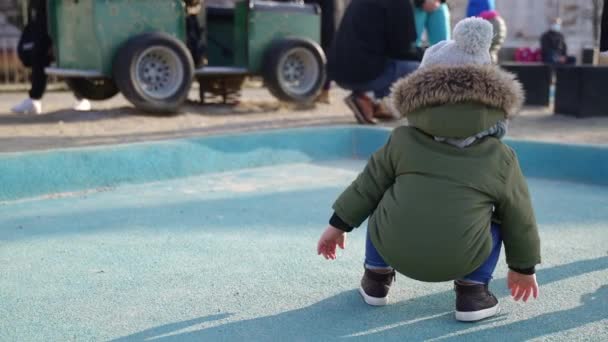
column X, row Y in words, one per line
column 373, row 301
column 360, row 117
column 472, row 316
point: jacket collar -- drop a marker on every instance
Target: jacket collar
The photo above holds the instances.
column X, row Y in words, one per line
column 486, row 85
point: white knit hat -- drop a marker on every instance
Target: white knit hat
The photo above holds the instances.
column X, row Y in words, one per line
column 471, row 45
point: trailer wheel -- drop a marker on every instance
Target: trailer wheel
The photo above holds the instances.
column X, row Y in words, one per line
column 154, row 71
column 294, row 70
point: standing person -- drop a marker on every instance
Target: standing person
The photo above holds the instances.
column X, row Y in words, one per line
column 443, row 194
column 432, row 16
column 41, row 57
column 500, row 32
column 375, row 45
column 475, row 7
column 328, row 29
column 553, row 45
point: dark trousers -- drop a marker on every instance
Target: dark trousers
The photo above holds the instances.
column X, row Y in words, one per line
column 42, row 55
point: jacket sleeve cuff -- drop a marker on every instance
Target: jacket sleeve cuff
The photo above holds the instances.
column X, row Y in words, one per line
column 337, row 222
column 526, row 271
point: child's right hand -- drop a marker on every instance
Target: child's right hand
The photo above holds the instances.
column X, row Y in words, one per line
column 331, row 237
column 522, row 285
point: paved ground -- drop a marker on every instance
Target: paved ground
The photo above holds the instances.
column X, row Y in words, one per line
column 231, row 257
column 115, row 121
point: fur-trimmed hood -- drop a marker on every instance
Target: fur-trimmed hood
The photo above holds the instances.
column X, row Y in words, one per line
column 444, row 85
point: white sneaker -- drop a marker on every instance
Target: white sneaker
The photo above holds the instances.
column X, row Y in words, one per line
column 82, row 105
column 28, row 106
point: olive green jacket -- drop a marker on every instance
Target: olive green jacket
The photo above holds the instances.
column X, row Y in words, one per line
column 431, row 204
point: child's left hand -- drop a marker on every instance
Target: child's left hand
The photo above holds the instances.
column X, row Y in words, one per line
column 331, row 237
column 522, row 286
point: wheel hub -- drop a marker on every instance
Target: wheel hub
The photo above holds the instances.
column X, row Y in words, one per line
column 294, row 69
column 298, row 71
column 159, row 72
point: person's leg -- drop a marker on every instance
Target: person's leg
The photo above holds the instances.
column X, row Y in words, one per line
column 366, row 107
column 40, row 60
column 483, row 274
column 373, row 260
column 474, row 301
column 395, row 70
column 38, row 79
column 377, row 278
column 438, row 25
column 420, row 19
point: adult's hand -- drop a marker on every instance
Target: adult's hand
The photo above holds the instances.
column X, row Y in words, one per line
column 431, row 5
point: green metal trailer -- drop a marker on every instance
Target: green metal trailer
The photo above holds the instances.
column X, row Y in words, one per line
column 138, row 48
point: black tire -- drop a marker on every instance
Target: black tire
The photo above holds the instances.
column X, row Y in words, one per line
column 154, row 71
column 96, row 89
column 299, row 61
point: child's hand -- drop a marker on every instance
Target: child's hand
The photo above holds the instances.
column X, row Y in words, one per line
column 522, row 285
column 327, row 243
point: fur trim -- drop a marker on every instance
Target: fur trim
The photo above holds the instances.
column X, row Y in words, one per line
column 440, row 85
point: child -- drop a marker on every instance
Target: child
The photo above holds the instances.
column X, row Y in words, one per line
column 445, row 192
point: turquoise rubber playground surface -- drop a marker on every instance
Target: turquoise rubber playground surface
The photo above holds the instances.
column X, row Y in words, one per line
column 214, row 239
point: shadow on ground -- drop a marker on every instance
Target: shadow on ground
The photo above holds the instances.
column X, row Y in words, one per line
column 188, row 212
column 67, row 116
column 429, row 317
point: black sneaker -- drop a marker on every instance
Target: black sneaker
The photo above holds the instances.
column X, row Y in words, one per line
column 474, row 302
column 374, row 287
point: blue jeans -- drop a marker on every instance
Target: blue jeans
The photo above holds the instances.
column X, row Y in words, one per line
column 482, row 274
column 436, row 24
column 381, row 86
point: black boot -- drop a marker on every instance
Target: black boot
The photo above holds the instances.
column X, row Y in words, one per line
column 375, row 286
column 474, row 302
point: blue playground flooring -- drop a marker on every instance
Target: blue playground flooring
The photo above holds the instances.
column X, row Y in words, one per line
column 214, row 239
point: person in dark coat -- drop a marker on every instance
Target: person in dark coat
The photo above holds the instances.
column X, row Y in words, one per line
column 374, row 46
column 553, row 45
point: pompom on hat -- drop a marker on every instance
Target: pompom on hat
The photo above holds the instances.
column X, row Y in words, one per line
column 471, row 45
